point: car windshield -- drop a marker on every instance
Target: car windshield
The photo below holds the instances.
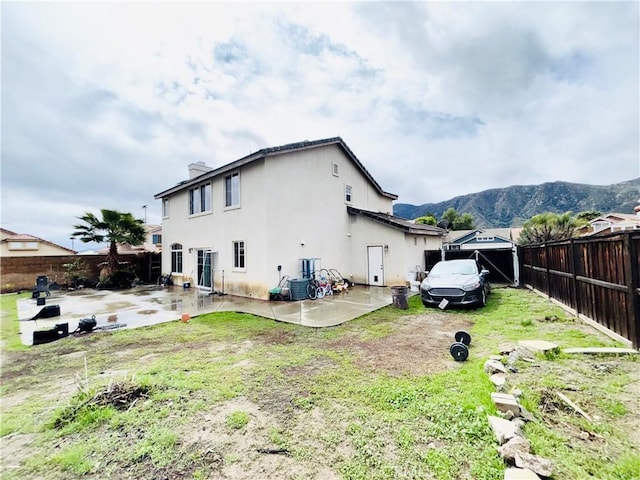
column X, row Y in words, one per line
column 459, row 268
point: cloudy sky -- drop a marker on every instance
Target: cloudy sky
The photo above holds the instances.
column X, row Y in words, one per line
column 105, row 104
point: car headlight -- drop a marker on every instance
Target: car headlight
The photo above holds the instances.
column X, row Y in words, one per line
column 471, row 286
column 425, row 285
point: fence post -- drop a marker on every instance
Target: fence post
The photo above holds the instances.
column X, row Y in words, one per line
column 546, row 266
column 574, row 282
column 632, row 281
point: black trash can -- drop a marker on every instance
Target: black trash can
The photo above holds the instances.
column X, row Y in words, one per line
column 400, row 296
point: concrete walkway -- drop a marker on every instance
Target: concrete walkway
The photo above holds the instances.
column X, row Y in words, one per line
column 145, row 306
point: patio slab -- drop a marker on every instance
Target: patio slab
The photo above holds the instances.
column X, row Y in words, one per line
column 144, row 306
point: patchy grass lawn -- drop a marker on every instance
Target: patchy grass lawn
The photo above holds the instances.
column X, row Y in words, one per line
column 234, row 396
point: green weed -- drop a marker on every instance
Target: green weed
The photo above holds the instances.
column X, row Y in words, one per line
column 237, row 420
column 73, row 459
column 9, row 324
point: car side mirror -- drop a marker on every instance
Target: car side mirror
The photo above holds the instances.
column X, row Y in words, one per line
column 484, row 272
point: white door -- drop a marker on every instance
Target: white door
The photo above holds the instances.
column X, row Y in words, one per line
column 376, row 268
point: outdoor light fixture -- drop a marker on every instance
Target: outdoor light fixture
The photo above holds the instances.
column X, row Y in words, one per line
column 302, row 243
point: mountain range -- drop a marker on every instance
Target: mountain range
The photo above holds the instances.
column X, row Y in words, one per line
column 512, row 206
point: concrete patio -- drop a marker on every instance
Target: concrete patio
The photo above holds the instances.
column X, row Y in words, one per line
column 149, row 305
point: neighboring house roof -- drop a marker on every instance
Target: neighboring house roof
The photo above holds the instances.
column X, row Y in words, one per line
column 515, row 234
column 464, row 236
column 272, row 151
column 9, row 236
column 152, row 229
column 611, row 222
column 397, row 222
column 620, row 217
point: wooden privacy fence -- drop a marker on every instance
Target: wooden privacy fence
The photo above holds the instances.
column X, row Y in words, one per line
column 597, row 277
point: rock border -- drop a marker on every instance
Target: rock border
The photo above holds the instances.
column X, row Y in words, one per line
column 513, row 447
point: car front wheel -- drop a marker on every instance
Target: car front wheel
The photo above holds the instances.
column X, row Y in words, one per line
column 483, row 298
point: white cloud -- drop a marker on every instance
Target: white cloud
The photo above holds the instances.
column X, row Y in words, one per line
column 437, row 99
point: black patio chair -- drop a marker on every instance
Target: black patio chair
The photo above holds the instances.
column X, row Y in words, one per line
column 42, row 285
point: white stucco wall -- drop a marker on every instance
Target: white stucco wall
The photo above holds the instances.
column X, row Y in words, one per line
column 292, row 207
column 404, row 251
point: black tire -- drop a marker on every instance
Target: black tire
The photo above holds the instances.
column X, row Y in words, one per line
column 312, row 290
column 483, row 298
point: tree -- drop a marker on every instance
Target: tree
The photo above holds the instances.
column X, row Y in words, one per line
column 455, row 221
column 463, row 222
column 114, row 227
column 450, row 215
column 583, row 218
column 426, row 220
column 546, row 227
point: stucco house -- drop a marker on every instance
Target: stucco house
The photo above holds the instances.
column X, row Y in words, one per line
column 24, row 245
column 240, row 227
column 612, row 223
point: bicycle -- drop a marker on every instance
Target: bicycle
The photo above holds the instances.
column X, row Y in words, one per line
column 313, row 288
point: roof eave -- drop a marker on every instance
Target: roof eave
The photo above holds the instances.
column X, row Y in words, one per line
column 396, row 222
column 274, row 151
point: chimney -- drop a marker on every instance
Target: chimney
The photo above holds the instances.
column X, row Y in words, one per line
column 197, row 169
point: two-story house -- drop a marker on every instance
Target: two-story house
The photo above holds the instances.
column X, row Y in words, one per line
column 238, row 228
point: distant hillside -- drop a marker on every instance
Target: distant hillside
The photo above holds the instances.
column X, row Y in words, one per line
column 512, row 206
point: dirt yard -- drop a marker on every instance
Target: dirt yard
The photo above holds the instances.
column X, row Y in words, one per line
column 257, row 399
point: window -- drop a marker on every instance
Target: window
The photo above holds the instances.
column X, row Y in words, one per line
column 334, row 169
column 200, row 199
column 238, row 255
column 23, row 245
column 347, row 193
column 176, row 258
column 165, row 207
column 156, row 239
column 232, row 190
column 485, row 238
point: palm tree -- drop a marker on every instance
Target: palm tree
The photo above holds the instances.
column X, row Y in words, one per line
column 114, row 227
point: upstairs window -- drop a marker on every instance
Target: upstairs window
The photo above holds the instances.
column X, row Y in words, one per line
column 347, row 193
column 232, row 190
column 165, row 208
column 24, row 245
column 156, row 239
column 200, row 199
